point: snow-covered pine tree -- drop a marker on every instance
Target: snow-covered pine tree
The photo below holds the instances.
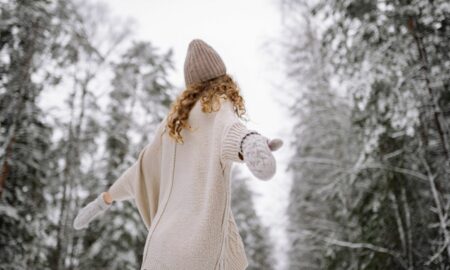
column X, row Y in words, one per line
column 83, row 50
column 140, row 97
column 256, row 238
column 323, row 142
column 26, row 163
column 394, row 57
column 393, row 60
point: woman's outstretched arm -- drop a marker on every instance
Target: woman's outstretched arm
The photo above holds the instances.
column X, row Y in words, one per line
column 239, row 144
column 128, row 186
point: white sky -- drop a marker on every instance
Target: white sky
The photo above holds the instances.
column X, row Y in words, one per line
column 244, row 34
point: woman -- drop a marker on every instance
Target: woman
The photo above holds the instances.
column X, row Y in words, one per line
column 181, row 180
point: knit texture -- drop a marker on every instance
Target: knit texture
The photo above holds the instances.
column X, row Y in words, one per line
column 258, row 156
column 232, row 141
column 183, row 194
column 90, row 212
column 202, row 63
column 255, row 147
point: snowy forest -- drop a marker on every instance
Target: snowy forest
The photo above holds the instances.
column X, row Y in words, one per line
column 369, row 85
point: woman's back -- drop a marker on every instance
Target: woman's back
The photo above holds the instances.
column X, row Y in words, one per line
column 181, row 180
column 195, row 197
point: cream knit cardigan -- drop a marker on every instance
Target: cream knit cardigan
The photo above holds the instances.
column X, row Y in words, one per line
column 182, row 193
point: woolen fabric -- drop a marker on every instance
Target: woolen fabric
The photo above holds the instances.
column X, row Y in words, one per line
column 202, row 63
column 182, row 193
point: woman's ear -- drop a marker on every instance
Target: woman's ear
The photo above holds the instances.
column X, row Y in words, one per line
column 275, row 144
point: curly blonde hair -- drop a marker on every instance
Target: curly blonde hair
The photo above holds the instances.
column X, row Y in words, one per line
column 209, row 93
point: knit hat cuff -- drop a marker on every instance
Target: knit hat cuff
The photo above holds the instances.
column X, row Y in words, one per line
column 232, row 141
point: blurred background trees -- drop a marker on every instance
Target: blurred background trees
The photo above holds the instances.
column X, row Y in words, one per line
column 371, row 166
column 104, row 94
column 258, row 246
column 368, row 83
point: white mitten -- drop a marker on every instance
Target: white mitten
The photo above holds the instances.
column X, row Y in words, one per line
column 258, row 156
column 90, row 212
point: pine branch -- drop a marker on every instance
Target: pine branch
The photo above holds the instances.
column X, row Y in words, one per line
column 353, row 245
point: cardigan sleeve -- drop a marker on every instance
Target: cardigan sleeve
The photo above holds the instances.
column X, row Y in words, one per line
column 127, row 186
column 239, row 145
column 124, row 188
column 233, row 134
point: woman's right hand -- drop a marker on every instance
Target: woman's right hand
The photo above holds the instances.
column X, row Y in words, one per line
column 91, row 211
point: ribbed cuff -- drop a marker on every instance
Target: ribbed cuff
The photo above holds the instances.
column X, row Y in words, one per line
column 101, row 203
column 232, row 141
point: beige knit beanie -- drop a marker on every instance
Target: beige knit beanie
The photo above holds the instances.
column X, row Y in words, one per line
column 202, row 63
